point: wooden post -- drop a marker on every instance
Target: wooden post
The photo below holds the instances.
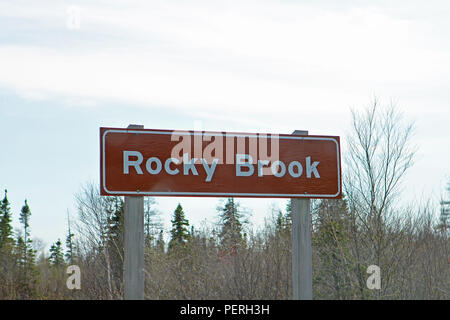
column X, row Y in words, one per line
column 301, row 246
column 133, row 272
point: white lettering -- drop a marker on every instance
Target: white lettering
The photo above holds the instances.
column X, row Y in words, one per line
column 127, row 163
column 261, row 164
column 299, row 169
column 311, row 168
column 241, row 163
column 148, row 165
column 167, row 166
column 275, row 166
column 189, row 165
column 209, row 170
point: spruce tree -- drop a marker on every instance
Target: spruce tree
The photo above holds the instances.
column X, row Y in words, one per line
column 284, row 221
column 231, row 235
column 114, row 243
column 25, row 273
column 179, row 231
column 280, row 225
column 160, row 244
column 289, row 207
column 56, row 257
column 6, row 239
column 331, row 241
column 70, row 253
column 7, row 247
column 115, row 210
column 25, row 257
column 24, row 218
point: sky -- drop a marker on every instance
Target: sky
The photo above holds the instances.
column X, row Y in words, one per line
column 70, row 67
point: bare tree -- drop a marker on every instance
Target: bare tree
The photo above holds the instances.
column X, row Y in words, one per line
column 93, row 225
column 380, row 151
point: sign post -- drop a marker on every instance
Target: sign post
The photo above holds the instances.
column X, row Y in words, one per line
column 133, row 273
column 301, row 246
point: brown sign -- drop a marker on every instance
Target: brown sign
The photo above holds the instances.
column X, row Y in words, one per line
column 219, row 164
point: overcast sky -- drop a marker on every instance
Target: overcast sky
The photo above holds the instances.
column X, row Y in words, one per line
column 256, row 66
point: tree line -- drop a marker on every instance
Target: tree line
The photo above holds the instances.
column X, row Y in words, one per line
column 229, row 259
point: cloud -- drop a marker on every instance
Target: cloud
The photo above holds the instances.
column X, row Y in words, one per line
column 225, row 56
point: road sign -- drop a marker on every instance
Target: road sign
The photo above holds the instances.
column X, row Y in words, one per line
column 149, row 162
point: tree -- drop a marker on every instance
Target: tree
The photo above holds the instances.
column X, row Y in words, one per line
column 114, row 245
column 331, row 241
column 160, row 244
column 25, row 257
column 152, row 221
column 56, row 257
column 6, row 239
column 179, row 232
column 380, row 152
column 231, row 235
column 70, row 245
column 7, row 247
column 99, row 228
column 24, row 218
column 444, row 217
column 284, row 221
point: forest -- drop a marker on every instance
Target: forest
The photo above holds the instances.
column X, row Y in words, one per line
column 230, row 259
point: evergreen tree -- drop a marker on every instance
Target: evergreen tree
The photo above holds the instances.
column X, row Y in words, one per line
column 179, row 232
column 20, row 249
column 289, row 207
column 20, row 252
column 160, row 244
column 115, row 210
column 114, row 243
column 231, row 235
column 70, row 253
column 331, row 241
column 56, row 257
column 27, row 273
column 7, row 250
column 284, row 221
column 6, row 239
column 28, row 254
